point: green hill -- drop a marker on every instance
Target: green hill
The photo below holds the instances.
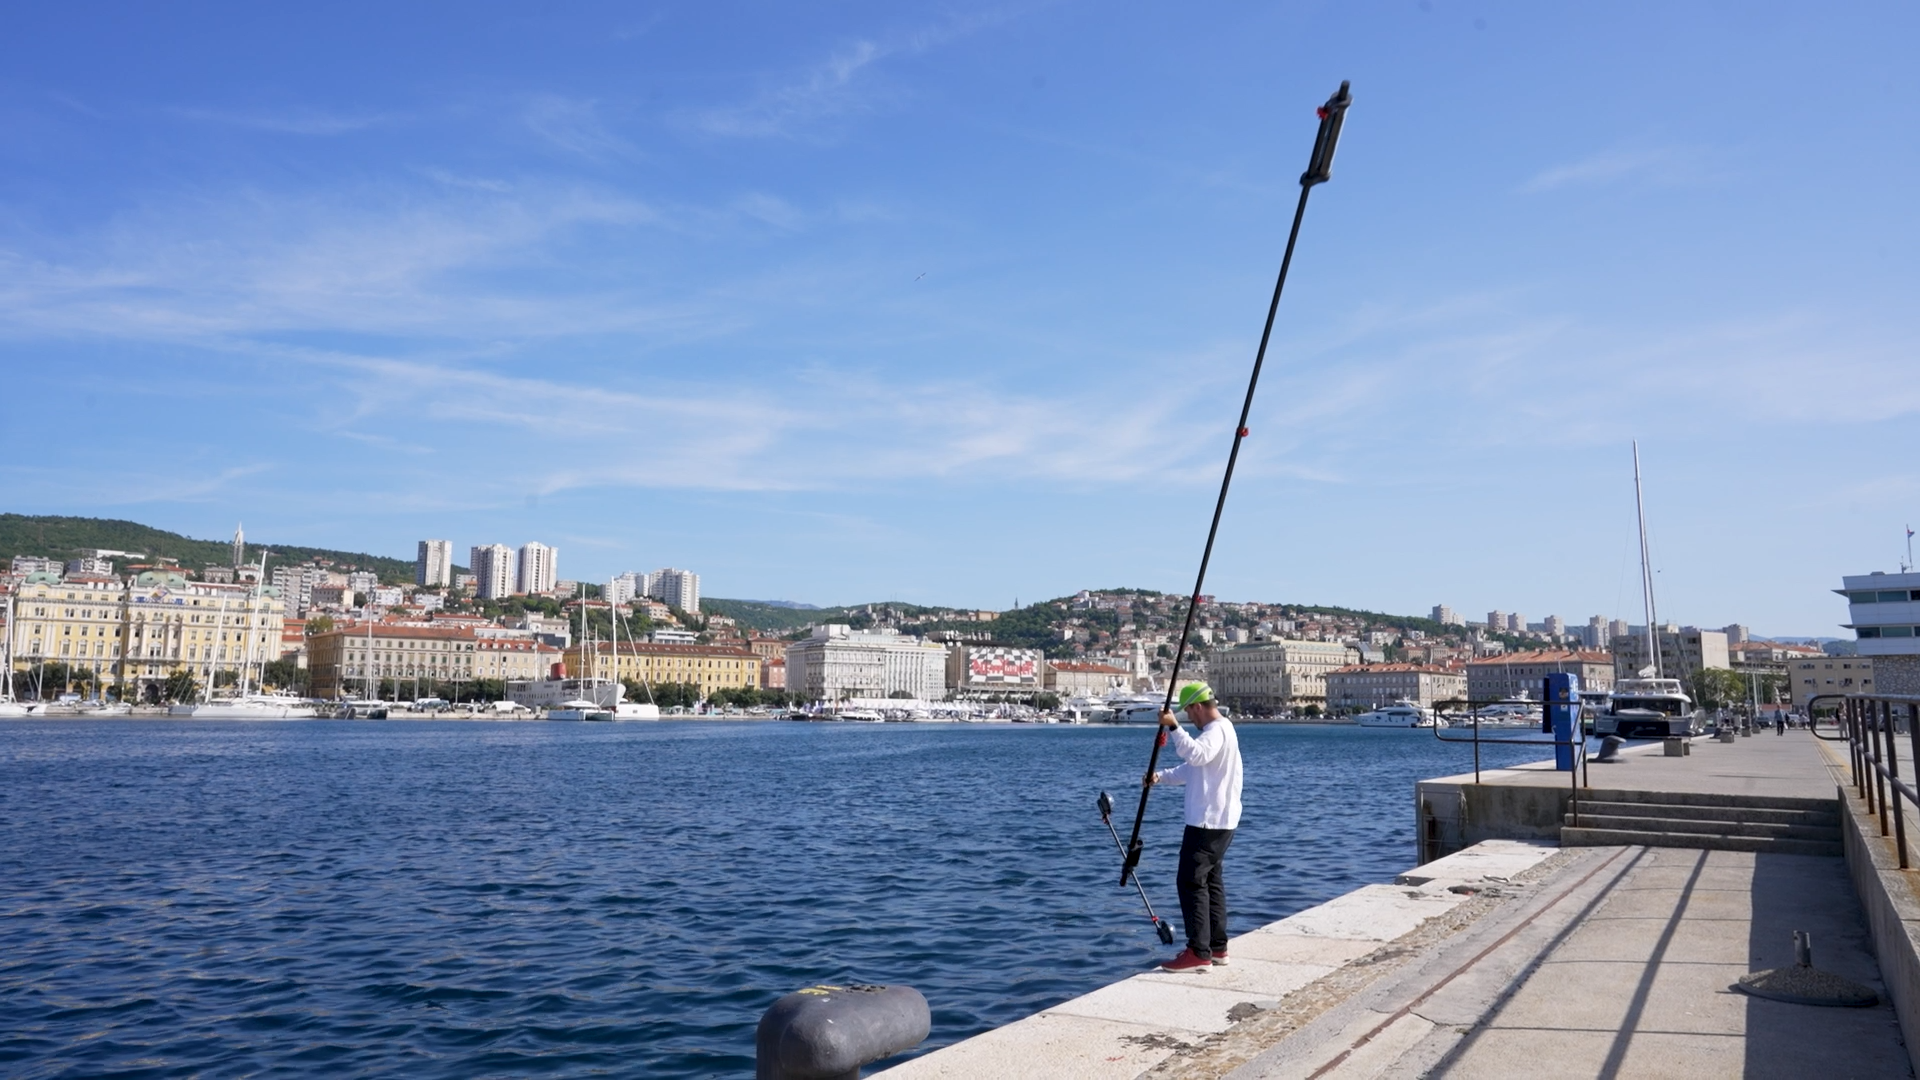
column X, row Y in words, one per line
column 66, row 537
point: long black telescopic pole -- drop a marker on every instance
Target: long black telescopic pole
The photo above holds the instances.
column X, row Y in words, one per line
column 1319, row 170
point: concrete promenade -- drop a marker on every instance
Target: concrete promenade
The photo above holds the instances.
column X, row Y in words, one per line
column 1513, row 957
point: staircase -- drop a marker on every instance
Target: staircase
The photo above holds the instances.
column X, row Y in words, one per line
column 1677, row 819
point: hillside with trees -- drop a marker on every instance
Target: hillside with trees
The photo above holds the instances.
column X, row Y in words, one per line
column 66, row 537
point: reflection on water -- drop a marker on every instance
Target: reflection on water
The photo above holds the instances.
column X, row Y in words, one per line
column 459, row 899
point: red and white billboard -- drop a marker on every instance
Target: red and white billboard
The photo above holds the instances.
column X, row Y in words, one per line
column 1003, row 666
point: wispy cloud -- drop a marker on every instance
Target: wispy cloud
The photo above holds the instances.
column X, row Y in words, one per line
column 574, row 125
column 288, row 121
column 1661, row 165
column 841, row 85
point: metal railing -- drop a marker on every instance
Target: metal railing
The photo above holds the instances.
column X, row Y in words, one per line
column 1869, row 724
column 1577, row 777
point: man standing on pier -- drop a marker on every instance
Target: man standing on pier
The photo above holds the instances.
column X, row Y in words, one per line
column 1211, row 773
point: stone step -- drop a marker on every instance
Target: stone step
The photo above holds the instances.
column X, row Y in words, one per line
column 1829, row 818
column 1584, row 837
column 1708, row 827
column 1695, row 798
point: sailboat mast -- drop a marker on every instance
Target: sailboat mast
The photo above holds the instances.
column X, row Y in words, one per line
column 1646, row 565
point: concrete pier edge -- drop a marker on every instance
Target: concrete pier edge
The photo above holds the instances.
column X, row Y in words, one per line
column 1304, row 972
column 1889, row 896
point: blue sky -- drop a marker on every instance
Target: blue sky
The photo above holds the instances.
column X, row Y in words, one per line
column 955, row 303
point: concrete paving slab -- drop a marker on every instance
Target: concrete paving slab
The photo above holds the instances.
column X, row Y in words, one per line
column 1294, row 948
column 1261, row 978
column 1045, row 1044
column 1693, row 941
column 1789, row 766
column 1371, row 913
column 1607, row 995
column 1196, row 1007
column 1559, row 1054
column 1499, row 860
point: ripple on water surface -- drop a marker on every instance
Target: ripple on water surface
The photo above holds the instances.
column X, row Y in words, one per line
column 467, row 899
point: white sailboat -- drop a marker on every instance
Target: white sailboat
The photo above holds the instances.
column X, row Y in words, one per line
column 622, row 708
column 9, row 708
column 1649, row 706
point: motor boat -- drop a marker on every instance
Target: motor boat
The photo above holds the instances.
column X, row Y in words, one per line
column 1400, row 714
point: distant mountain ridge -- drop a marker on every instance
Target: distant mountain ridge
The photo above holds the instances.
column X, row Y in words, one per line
column 66, row 537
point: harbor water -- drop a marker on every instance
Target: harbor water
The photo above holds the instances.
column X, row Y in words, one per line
column 467, row 899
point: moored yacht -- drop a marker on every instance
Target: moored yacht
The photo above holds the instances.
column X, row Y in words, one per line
column 1648, row 709
column 248, row 707
column 1400, row 714
column 579, row 709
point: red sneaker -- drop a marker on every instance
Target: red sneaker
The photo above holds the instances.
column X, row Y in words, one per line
column 1220, row 958
column 1187, row 961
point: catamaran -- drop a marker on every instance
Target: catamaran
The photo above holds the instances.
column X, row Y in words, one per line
column 1648, row 706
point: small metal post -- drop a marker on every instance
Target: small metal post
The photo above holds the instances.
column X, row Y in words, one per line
column 1875, row 729
column 1802, row 949
column 1893, row 771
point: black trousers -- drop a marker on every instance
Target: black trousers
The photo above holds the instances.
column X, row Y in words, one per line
column 1203, row 888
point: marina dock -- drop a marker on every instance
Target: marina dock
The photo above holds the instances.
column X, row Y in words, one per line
column 1615, row 953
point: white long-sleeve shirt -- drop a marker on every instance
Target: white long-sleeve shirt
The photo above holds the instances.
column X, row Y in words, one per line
column 1211, row 774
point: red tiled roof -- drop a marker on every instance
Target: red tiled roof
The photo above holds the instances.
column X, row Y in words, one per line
column 1545, row 656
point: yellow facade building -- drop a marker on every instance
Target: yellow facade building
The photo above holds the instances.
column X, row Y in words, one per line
column 711, row 667
column 145, row 629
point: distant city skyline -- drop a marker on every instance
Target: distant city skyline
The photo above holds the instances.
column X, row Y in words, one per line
column 902, row 302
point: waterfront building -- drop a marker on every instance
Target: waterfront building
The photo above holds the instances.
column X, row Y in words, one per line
column 1080, row 678
column 513, row 658
column 676, row 588
column 433, row 565
column 979, row 670
column 1813, row 676
column 1281, row 674
column 172, row 624
column 538, row 568
column 1883, row 611
column 773, row 673
column 711, row 667
column 1683, row 651
column 77, row 621
column 493, row 571
column 349, row 660
column 838, row 662
column 1514, row 674
column 1360, row 687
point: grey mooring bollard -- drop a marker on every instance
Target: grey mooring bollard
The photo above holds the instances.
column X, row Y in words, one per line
column 828, row 1032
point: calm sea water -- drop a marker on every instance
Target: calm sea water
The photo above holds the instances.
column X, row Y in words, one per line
column 538, row 899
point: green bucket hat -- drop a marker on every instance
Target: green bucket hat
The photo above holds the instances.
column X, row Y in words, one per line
column 1195, row 692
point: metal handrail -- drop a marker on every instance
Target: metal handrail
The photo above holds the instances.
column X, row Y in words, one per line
column 1577, row 778
column 1866, row 723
